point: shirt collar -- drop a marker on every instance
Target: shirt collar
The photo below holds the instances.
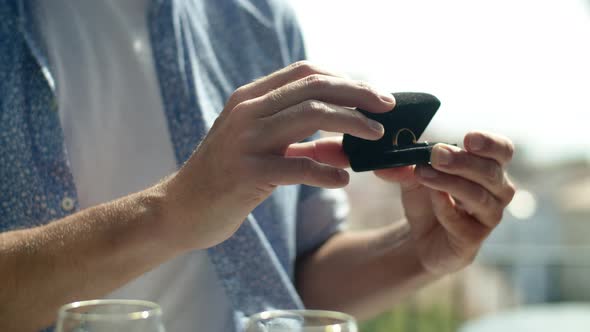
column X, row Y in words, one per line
column 30, row 29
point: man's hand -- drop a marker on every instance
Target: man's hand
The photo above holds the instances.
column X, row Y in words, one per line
column 451, row 208
column 454, row 205
column 90, row 253
column 246, row 153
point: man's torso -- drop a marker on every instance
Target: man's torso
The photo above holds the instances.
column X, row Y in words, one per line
column 216, row 46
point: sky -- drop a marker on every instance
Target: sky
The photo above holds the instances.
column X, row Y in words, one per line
column 520, row 68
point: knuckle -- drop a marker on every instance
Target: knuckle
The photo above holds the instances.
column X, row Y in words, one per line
column 493, row 211
column 370, row 91
column 484, row 198
column 275, row 95
column 450, row 214
column 303, row 68
column 303, row 107
column 510, row 192
column 452, row 217
column 239, row 94
column 496, row 216
column 493, row 172
column 364, row 86
column 235, row 97
column 356, row 118
column 468, row 254
column 482, row 136
column 509, row 151
column 305, row 168
column 471, row 259
column 461, row 160
column 315, row 81
column 314, row 109
column 241, row 107
column 315, row 106
column 481, row 234
column 500, row 215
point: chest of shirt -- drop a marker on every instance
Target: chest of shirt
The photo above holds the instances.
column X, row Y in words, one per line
column 195, row 76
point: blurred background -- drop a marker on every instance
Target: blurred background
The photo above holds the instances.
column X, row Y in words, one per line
column 520, row 68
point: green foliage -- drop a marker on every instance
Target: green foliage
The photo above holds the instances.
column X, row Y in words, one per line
column 406, row 318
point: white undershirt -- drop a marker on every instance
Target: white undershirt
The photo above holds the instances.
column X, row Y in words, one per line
column 118, row 141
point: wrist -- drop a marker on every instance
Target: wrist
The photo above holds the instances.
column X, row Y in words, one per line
column 397, row 241
column 398, row 238
column 193, row 212
column 412, row 249
column 154, row 206
column 404, row 269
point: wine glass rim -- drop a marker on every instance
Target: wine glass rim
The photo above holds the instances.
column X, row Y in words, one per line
column 151, row 309
column 345, row 318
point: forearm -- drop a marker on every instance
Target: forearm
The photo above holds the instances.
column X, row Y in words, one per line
column 83, row 256
column 353, row 272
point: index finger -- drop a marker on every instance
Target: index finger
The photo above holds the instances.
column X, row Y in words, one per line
column 334, row 90
column 262, row 86
column 496, row 147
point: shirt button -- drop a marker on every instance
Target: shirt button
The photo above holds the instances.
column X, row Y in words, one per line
column 138, row 46
column 67, row 204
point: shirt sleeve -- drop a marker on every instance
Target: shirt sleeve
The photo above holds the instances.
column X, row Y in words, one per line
column 321, row 214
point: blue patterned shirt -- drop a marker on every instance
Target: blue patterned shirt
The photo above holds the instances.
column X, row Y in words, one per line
column 203, row 51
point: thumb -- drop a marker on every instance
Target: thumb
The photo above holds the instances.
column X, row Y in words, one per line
column 403, row 175
column 302, row 170
column 327, row 150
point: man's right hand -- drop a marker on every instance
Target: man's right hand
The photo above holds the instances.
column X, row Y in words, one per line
column 94, row 251
column 246, row 153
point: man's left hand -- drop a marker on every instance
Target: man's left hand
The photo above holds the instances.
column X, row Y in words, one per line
column 454, row 204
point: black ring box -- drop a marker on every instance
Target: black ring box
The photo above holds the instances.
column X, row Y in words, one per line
column 403, row 127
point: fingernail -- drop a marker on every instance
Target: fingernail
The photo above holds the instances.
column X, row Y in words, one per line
column 442, row 156
column 343, row 174
column 375, row 126
column 476, row 142
column 427, row 172
column 387, row 97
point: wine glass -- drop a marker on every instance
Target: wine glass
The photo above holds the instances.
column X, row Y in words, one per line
column 110, row 316
column 301, row 321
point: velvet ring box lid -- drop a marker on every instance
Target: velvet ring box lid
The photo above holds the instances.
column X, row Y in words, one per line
column 403, row 127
